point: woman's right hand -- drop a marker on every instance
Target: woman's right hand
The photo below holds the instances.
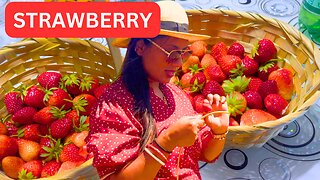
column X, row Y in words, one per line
column 182, row 133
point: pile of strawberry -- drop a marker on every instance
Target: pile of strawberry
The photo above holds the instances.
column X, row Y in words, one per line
column 257, row 90
column 47, row 124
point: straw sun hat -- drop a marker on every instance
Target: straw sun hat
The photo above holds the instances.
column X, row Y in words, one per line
column 174, row 23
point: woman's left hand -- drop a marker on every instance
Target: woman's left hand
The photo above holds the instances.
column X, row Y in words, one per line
column 219, row 122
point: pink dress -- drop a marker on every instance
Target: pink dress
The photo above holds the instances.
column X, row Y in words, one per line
column 114, row 138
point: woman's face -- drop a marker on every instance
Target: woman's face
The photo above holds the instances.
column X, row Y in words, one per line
column 155, row 60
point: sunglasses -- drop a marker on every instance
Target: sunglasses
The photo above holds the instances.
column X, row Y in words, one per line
column 174, row 55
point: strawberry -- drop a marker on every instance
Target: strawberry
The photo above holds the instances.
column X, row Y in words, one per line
column 49, row 79
column 173, row 80
column 3, row 129
column 214, row 72
column 218, row 51
column 268, row 87
column 191, row 61
column 8, row 146
column 275, row 104
column 61, row 128
column 28, row 150
column 44, row 129
column 50, row 148
column 250, row 65
column 13, row 102
column 101, row 89
column 185, row 80
column 72, row 83
column 198, row 48
column 265, row 51
column 79, row 139
column 198, row 80
column 237, row 103
column 31, row 170
column 233, row 122
column 11, row 166
column 266, row 69
column 34, row 97
column 48, row 114
column 24, row 115
column 254, row 100
column 70, row 152
column 284, row 79
column 50, row 168
column 229, row 62
column 254, row 84
column 207, row 61
column 88, row 84
column 236, row 49
column 238, row 84
column 11, row 127
column 212, row 87
column 198, row 104
column 84, row 103
column 30, row 132
column 73, row 115
column 58, row 97
column 255, row 116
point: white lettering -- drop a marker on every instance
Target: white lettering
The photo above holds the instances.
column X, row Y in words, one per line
column 75, row 18
column 22, row 22
column 94, row 19
column 145, row 19
column 58, row 20
column 104, row 19
column 42, row 19
column 132, row 18
column 118, row 18
column 31, row 18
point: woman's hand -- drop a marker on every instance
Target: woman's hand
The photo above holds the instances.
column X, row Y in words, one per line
column 182, row 133
column 219, row 122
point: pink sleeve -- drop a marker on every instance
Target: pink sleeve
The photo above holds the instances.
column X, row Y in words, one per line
column 205, row 136
column 113, row 139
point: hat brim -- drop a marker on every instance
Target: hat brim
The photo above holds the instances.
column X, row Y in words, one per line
column 124, row 42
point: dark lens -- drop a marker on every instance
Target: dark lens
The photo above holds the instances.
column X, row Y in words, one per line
column 174, row 56
column 186, row 54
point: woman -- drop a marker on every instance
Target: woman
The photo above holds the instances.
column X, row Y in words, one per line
column 146, row 128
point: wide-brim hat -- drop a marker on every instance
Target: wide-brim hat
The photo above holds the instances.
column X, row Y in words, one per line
column 174, row 23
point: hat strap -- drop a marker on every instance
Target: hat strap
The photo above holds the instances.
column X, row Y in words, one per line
column 173, row 26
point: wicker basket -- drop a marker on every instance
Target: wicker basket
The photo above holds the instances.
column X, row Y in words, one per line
column 22, row 62
column 300, row 54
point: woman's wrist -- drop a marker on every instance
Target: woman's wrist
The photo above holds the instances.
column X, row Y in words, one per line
column 219, row 136
column 164, row 142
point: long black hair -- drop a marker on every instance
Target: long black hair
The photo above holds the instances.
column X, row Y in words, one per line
column 135, row 79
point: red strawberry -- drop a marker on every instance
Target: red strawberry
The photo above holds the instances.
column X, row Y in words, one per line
column 100, row 90
column 237, row 103
column 218, row 51
column 11, row 166
column 236, row 49
column 50, row 168
column 198, row 48
column 233, row 122
column 191, row 61
column 8, row 146
column 265, row 51
column 58, row 97
column 265, row 70
column 229, row 62
column 84, row 103
column 44, row 129
column 88, row 84
column 3, row 129
column 31, row 169
column 48, row 114
column 275, row 104
column 34, row 97
column 254, row 84
column 13, row 102
column 12, row 128
column 198, row 80
column 268, row 87
column 72, row 83
column 61, row 128
column 212, row 87
column 70, row 152
column 24, row 115
column 185, row 80
column 30, row 132
column 50, row 148
column 284, row 79
column 250, row 66
column 28, row 150
column 207, row 61
column 214, row 72
column 255, row 116
column 198, row 104
column 79, row 139
column 238, row 84
column 49, row 79
column 73, row 115
column 254, row 100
